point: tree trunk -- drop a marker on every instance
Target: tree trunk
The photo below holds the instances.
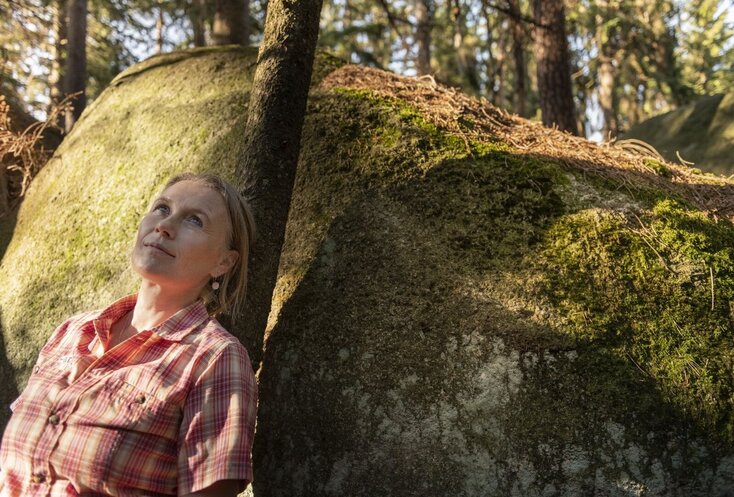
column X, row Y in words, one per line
column 553, row 66
column 423, row 17
column 607, row 77
column 230, row 23
column 76, row 60
column 500, row 94
column 518, row 55
column 272, row 135
column 4, row 193
column 490, row 66
column 159, row 30
column 464, row 59
column 58, row 59
column 607, row 73
column 197, row 16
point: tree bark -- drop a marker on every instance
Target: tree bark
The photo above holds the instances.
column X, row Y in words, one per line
column 464, row 59
column 423, row 16
column 553, row 66
column 607, row 77
column 230, row 23
column 518, row 55
column 76, row 60
column 273, row 132
column 197, row 16
column 58, row 59
column 159, row 25
column 275, row 117
column 607, row 47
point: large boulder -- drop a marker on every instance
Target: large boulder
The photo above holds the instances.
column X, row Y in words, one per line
column 468, row 304
column 701, row 132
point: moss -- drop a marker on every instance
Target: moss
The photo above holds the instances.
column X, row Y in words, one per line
column 641, row 286
column 658, row 167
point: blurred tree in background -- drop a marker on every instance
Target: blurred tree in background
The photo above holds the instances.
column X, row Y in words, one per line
column 628, row 59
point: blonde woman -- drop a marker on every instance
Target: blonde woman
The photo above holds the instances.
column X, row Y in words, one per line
column 151, row 395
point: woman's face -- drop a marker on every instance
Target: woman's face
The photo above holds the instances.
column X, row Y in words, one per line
column 182, row 240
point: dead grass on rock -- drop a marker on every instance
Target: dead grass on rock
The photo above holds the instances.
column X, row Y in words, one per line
column 625, row 164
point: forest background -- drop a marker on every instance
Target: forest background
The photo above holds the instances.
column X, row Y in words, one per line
column 627, row 60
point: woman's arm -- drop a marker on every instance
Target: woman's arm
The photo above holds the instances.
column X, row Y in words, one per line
column 222, row 488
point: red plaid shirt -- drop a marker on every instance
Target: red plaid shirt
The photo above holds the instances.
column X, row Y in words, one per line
column 168, row 411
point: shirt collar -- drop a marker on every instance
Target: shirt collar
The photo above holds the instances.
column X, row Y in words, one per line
column 175, row 328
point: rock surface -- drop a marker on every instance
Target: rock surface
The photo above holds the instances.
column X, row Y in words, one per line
column 702, row 132
column 453, row 316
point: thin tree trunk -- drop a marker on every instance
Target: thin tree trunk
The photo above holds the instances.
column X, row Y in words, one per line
column 494, row 61
column 197, row 16
column 4, row 193
column 58, row 59
column 501, row 91
column 159, row 30
column 553, row 66
column 518, row 55
column 273, row 131
column 464, row 60
column 230, row 25
column 607, row 73
column 423, row 16
column 607, row 77
column 76, row 60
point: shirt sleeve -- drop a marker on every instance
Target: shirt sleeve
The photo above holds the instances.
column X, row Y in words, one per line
column 215, row 439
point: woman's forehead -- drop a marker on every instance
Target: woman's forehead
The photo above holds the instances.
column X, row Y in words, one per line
column 194, row 195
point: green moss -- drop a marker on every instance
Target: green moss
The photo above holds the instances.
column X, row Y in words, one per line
column 641, row 286
column 410, row 116
column 658, row 167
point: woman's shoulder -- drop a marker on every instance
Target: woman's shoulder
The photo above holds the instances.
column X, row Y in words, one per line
column 215, row 337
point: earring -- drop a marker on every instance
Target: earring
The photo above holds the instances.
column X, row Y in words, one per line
column 215, row 285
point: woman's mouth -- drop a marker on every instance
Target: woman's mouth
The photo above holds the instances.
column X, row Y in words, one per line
column 160, row 247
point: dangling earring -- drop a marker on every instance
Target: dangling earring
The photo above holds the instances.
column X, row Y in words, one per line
column 215, row 285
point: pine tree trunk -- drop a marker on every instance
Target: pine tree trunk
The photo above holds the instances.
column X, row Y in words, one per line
column 159, row 30
column 58, row 59
column 494, row 62
column 553, row 66
column 423, row 36
column 75, row 77
column 273, row 132
column 230, row 23
column 197, row 16
column 518, row 55
column 500, row 94
column 464, row 59
column 607, row 76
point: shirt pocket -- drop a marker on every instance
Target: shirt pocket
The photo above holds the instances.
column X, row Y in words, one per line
column 136, row 437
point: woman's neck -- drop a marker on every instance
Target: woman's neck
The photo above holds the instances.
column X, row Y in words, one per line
column 154, row 305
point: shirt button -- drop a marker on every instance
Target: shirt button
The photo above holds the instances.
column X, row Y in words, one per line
column 140, row 399
column 54, row 419
column 38, row 478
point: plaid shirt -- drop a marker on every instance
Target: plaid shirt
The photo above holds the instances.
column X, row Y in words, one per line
column 168, row 411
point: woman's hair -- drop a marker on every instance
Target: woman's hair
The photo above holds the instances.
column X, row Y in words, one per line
column 230, row 297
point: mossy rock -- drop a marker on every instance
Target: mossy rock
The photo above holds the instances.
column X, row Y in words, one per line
column 451, row 317
column 702, row 132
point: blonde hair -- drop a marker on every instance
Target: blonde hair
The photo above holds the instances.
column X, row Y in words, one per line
column 230, row 297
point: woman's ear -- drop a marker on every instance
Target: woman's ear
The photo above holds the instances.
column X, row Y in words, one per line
column 227, row 262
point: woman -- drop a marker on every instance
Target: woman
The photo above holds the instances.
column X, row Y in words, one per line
column 150, row 396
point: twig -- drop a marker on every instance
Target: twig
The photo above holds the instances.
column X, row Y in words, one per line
column 711, row 271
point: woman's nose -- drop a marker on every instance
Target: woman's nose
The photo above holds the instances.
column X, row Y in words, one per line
column 165, row 228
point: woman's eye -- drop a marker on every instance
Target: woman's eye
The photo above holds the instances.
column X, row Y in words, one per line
column 196, row 220
column 161, row 208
